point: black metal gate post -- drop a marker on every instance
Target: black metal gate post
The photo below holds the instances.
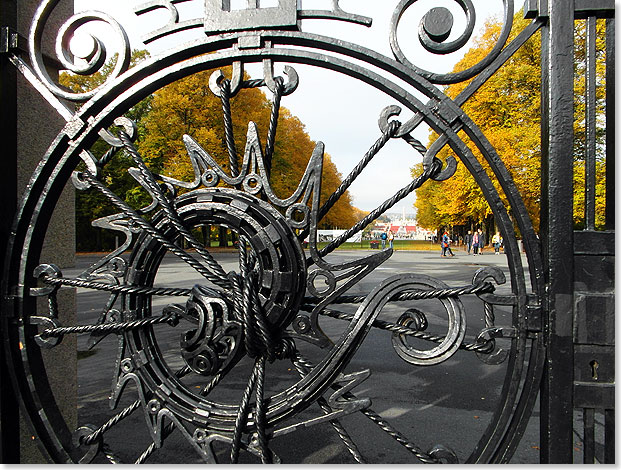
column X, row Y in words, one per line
column 557, row 218
column 9, row 416
column 579, row 265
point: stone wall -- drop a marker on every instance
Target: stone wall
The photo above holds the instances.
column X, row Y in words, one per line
column 35, row 126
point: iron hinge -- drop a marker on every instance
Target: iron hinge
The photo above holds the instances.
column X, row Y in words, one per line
column 11, row 40
column 533, row 314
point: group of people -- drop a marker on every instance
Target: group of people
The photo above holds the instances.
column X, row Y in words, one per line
column 474, row 243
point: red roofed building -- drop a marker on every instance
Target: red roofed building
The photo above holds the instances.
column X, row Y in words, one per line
column 403, row 230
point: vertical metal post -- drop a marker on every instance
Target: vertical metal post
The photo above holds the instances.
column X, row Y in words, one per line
column 557, row 230
column 589, row 435
column 590, row 123
column 609, row 436
column 9, row 410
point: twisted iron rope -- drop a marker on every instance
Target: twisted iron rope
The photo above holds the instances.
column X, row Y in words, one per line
column 225, row 98
column 111, row 456
column 168, row 429
column 206, row 390
column 88, row 440
column 148, row 228
column 396, row 435
column 428, row 173
column 484, row 348
column 258, row 337
column 106, row 328
column 336, row 424
column 219, row 276
column 110, row 153
column 246, row 316
column 350, row 445
column 271, row 136
column 480, row 288
column 253, row 83
column 490, row 318
column 260, row 410
column 139, row 290
column 260, row 344
column 415, row 143
column 347, row 182
column 307, row 366
column 242, row 415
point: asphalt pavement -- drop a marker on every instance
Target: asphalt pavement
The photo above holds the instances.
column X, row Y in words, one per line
column 450, row 403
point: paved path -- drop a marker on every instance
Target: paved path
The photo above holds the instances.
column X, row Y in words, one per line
column 449, row 404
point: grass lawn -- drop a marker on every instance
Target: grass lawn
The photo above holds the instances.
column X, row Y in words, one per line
column 414, row 245
column 411, row 245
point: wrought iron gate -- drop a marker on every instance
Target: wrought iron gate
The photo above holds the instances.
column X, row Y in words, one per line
column 273, row 309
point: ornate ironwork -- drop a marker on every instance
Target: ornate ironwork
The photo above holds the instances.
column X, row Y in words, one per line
column 279, row 294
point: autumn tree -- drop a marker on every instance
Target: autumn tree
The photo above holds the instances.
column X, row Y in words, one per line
column 188, row 106
column 90, row 204
column 507, row 110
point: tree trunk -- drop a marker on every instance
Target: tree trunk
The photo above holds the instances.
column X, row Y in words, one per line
column 222, row 237
column 206, row 233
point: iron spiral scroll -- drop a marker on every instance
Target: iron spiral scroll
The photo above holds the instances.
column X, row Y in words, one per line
column 271, row 308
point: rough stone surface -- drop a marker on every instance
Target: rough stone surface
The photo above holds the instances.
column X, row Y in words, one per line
column 38, row 124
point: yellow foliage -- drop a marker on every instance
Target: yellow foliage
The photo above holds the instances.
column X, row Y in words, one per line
column 187, row 106
column 507, row 110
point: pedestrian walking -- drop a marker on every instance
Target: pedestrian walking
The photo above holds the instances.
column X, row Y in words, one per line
column 475, row 243
column 391, row 237
column 497, row 243
column 446, row 245
column 481, row 241
column 383, row 238
column 468, row 241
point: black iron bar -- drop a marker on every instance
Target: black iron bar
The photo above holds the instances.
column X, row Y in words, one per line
column 588, row 440
column 609, row 436
column 557, row 120
column 9, row 406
